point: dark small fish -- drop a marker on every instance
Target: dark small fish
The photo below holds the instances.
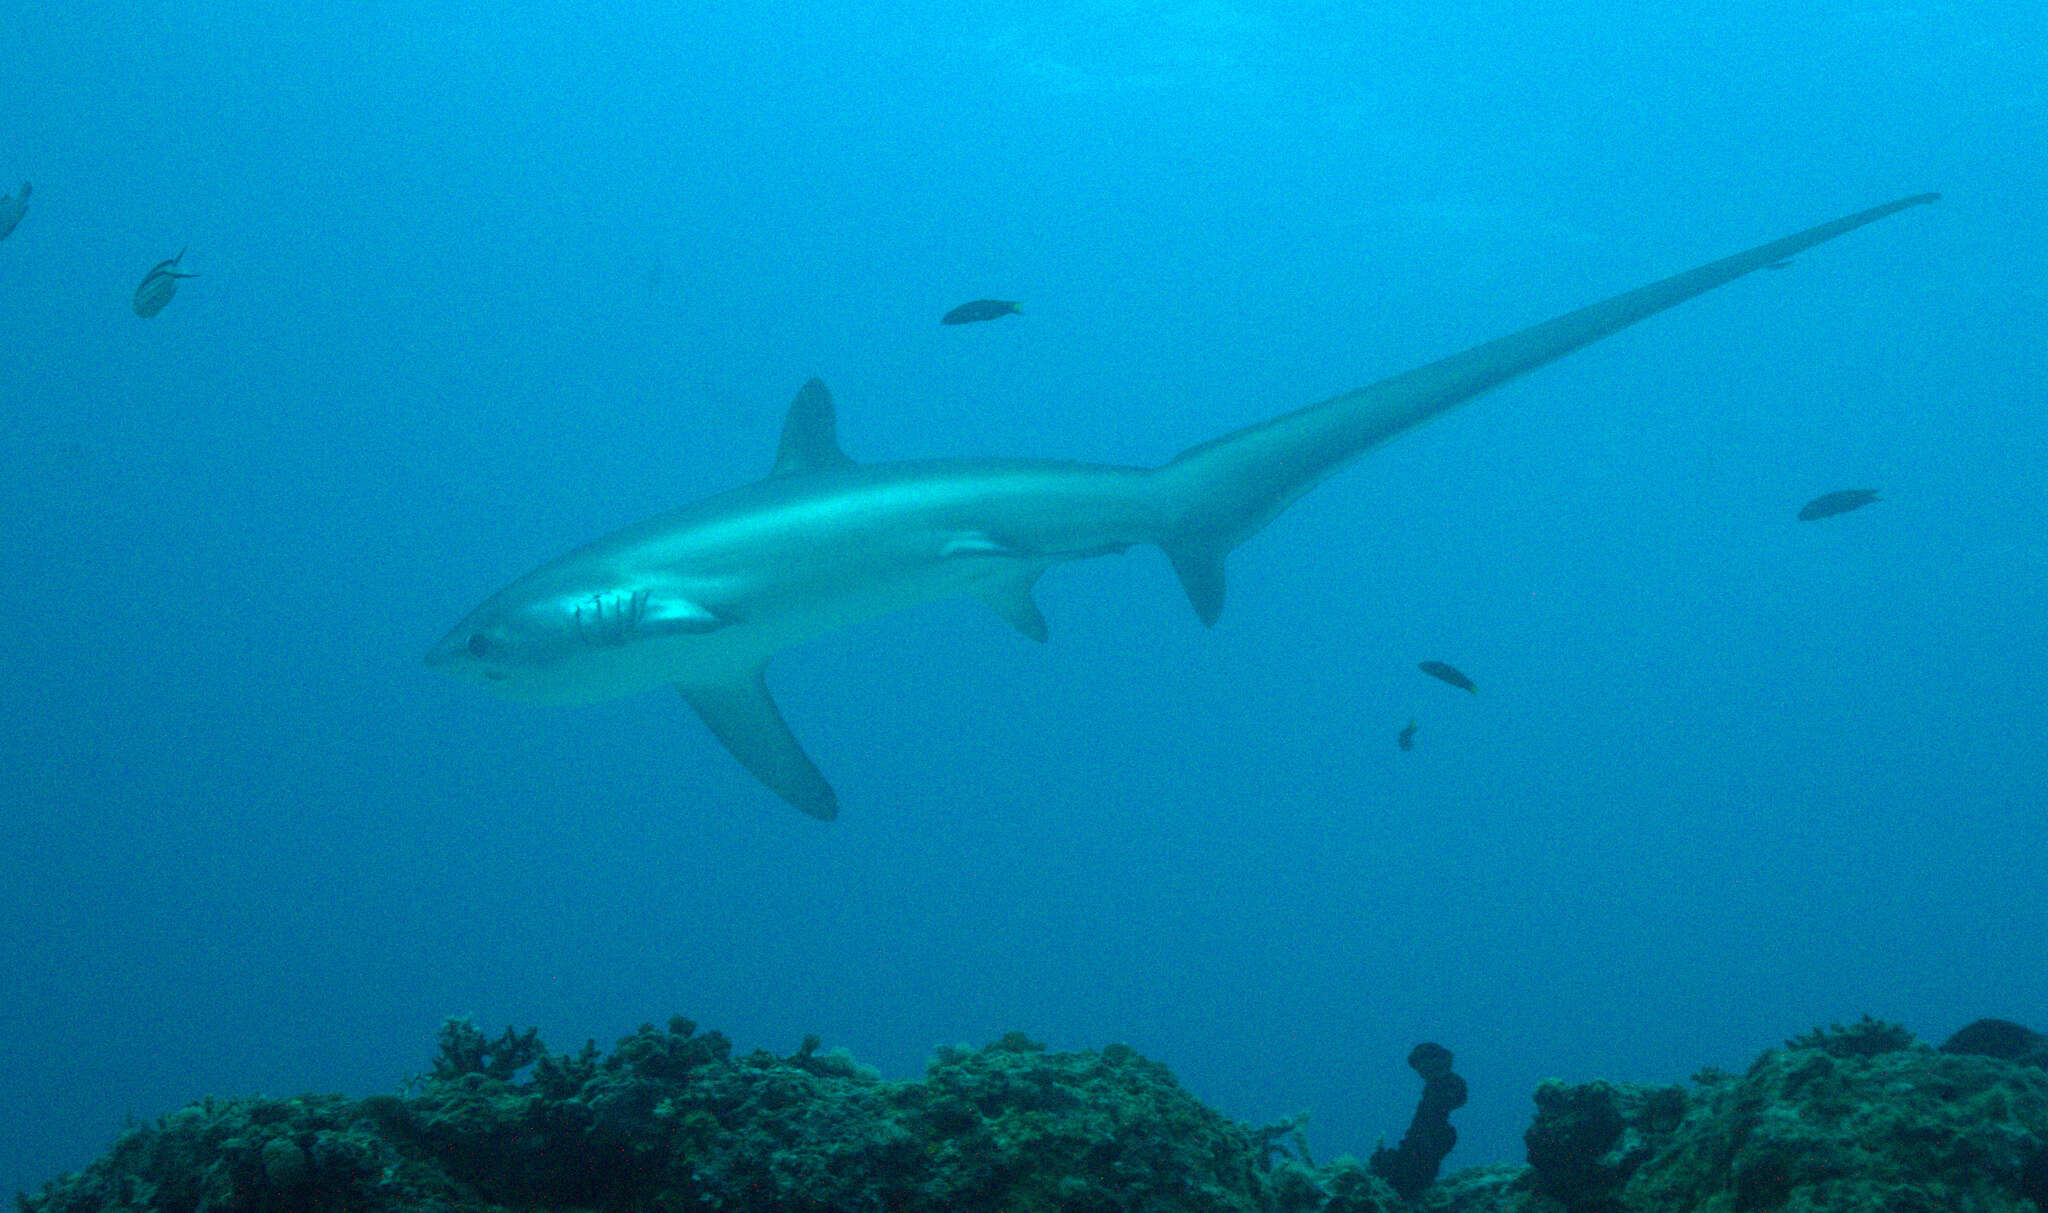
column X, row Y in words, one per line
column 981, row 309
column 159, row 285
column 12, row 208
column 1437, row 669
column 1841, row 501
column 1407, row 738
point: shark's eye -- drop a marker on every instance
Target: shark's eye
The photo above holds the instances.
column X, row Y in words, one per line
column 479, row 644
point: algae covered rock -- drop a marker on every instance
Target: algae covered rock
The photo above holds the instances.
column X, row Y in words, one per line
column 1021, row 1128
column 1500, row 1188
column 1589, row 1139
column 1832, row 1121
column 312, row 1152
column 1853, row 1117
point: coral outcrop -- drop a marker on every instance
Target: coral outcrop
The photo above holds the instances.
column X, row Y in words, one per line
column 1845, row 1118
column 1855, row 1118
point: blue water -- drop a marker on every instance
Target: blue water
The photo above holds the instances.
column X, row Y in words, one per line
column 479, row 283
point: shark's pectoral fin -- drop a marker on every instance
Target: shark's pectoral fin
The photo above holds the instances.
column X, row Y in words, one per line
column 616, row 617
column 1199, row 564
column 741, row 714
column 976, row 543
column 685, row 617
column 1010, row 597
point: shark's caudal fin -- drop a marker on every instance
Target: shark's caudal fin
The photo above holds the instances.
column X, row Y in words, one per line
column 1226, row 489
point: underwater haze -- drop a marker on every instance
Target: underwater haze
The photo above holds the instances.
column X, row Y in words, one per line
column 476, row 284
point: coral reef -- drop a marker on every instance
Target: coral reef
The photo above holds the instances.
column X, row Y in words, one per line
column 1856, row 1117
column 1866, row 1037
column 672, row 1120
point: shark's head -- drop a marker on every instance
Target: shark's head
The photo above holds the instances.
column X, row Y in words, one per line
column 557, row 643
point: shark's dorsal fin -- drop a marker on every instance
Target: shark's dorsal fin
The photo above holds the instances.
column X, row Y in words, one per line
column 741, row 714
column 810, row 433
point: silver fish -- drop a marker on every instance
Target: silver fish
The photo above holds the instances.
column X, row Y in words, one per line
column 12, row 208
column 159, row 285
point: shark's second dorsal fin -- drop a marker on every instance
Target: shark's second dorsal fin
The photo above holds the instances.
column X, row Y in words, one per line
column 810, row 433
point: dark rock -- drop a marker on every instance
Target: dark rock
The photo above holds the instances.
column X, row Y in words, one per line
column 2034, row 1178
column 1588, row 1140
column 2000, row 1038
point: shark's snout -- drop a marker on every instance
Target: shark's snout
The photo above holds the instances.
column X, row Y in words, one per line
column 447, row 652
column 458, row 655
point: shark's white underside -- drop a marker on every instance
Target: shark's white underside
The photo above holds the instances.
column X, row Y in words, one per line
column 702, row 597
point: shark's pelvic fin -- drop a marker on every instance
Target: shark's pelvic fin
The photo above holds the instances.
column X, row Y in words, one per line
column 743, row 716
column 810, row 433
column 1198, row 562
column 1010, row 597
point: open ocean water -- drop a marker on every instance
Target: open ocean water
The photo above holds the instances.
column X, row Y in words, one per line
column 478, row 283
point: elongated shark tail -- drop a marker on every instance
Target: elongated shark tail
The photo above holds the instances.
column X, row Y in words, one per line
column 1225, row 490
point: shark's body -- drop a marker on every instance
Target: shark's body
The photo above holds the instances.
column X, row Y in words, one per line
column 700, row 598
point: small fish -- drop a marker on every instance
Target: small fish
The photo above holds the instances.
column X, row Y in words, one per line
column 12, row 207
column 1407, row 738
column 1841, row 501
column 159, row 285
column 981, row 309
column 1437, row 669
column 1786, row 264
